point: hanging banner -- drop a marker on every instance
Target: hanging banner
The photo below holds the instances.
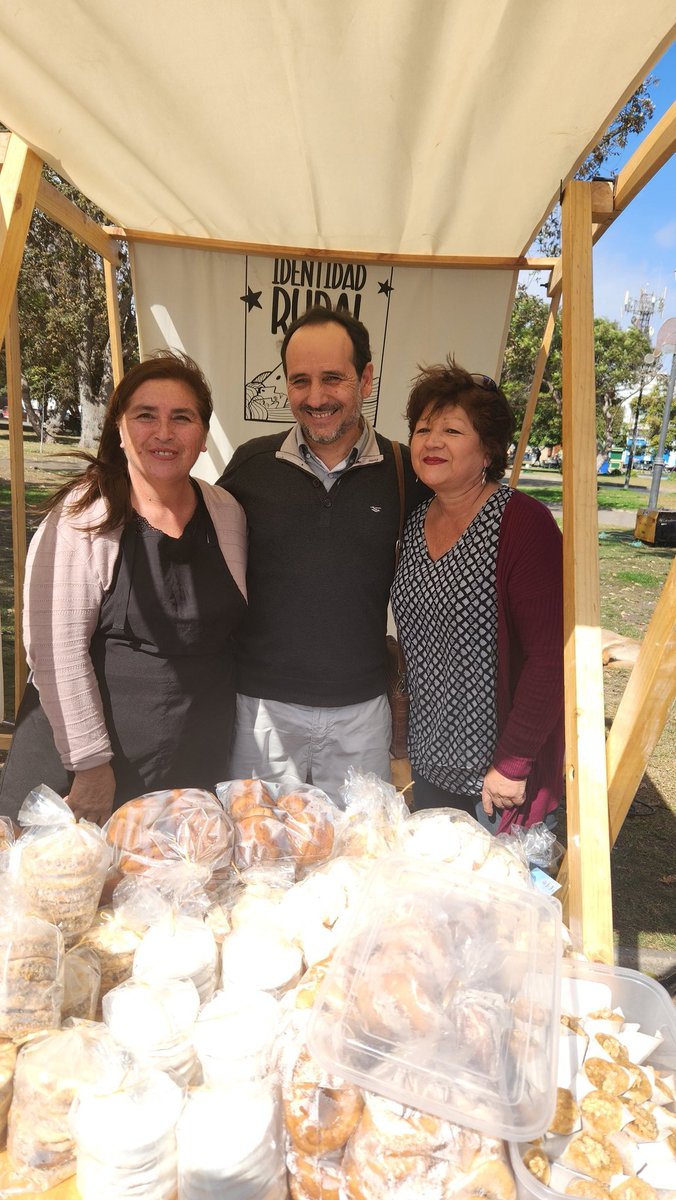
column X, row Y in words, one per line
column 230, row 313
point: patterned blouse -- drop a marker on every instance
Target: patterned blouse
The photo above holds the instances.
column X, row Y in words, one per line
column 446, row 615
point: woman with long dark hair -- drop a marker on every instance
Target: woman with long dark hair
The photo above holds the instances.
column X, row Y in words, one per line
column 135, row 581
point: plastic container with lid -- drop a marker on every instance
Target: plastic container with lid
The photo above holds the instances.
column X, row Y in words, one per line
column 444, row 994
column 587, row 987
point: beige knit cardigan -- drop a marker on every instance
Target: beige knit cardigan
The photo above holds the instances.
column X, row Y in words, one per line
column 68, row 571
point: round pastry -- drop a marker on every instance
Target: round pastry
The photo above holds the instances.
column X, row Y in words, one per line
column 643, row 1126
column 593, row 1156
column 306, row 991
column 538, row 1164
column 62, row 874
column 566, row 1114
column 492, row 1180
column 613, row 1048
column 260, row 839
column 313, row 1178
column 393, row 1002
column 320, row 1111
column 639, row 1087
column 606, row 1076
column 633, row 1188
column 601, row 1112
column 587, row 1189
column 309, row 827
column 244, row 795
column 263, row 957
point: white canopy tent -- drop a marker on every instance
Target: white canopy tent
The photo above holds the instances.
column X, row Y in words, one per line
column 423, row 137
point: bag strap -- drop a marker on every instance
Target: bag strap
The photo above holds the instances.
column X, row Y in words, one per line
column 396, row 451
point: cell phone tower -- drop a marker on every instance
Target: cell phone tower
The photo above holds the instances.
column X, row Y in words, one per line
column 642, row 309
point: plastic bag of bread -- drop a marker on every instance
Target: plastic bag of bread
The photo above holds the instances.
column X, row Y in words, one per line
column 50, row 1070
column 277, row 825
column 186, row 824
column 7, row 840
column 451, row 836
column 235, row 1036
column 82, row 984
column 321, row 1110
column 113, row 942
column 154, row 1022
column 125, row 1131
column 315, row 911
column 374, row 819
column 31, row 968
column 60, row 863
column 230, row 1144
column 401, row 1152
column 8, row 1052
column 178, row 947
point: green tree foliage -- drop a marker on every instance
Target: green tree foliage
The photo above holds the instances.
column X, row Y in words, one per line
column 653, row 410
column 618, row 361
column 632, row 119
column 619, row 355
column 529, row 318
column 65, row 346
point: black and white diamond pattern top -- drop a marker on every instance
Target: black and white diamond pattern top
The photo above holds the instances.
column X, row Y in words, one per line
column 447, row 618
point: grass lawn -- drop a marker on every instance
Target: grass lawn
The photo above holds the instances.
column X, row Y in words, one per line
column 611, row 492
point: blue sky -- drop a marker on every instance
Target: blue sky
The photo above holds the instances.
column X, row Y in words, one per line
column 639, row 249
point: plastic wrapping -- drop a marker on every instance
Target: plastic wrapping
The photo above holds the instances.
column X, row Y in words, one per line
column 7, row 840
column 82, row 984
column 179, row 947
column 538, row 844
column 403, row 1153
column 186, row 825
column 31, row 967
column 8, row 1052
column 154, row 1022
column 445, row 996
column 114, row 943
column 126, row 1137
column 49, row 1072
column 374, row 819
column 230, row 1144
column 235, row 1036
column 60, row 863
column 277, row 826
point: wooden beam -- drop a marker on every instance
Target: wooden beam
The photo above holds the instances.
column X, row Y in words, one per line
column 644, row 708
column 655, row 149
column 473, row 262
column 18, row 494
column 602, row 200
column 590, row 904
column 19, row 181
column 113, row 308
column 64, row 212
column 540, row 364
column 59, row 208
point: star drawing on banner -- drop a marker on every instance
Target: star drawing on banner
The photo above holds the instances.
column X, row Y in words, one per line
column 385, row 288
column 252, row 299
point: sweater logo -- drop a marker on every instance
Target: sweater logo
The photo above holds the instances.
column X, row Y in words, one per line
column 376, row 508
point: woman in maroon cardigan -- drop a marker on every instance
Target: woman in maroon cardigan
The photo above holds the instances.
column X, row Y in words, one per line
column 478, row 603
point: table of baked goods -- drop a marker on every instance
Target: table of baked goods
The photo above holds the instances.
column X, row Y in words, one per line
column 258, row 994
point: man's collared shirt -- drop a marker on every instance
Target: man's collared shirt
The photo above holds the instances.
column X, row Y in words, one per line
column 329, row 476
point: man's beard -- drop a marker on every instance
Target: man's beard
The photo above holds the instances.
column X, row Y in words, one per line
column 327, row 439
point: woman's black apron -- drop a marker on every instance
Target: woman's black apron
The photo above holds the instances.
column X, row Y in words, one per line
column 164, row 666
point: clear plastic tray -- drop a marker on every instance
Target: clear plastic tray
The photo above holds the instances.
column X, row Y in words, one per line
column 444, row 996
column 588, row 986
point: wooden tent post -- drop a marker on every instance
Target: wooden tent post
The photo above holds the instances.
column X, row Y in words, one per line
column 590, row 905
column 19, row 180
column 113, row 308
column 540, row 364
column 644, row 707
column 16, row 470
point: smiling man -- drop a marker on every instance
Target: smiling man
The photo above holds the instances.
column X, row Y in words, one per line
column 322, row 506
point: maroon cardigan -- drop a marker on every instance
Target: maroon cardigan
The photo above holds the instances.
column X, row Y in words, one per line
column 530, row 658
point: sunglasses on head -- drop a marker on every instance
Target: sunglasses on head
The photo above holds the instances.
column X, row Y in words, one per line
column 485, row 382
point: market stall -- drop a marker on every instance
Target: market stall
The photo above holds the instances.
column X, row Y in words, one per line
column 432, row 180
